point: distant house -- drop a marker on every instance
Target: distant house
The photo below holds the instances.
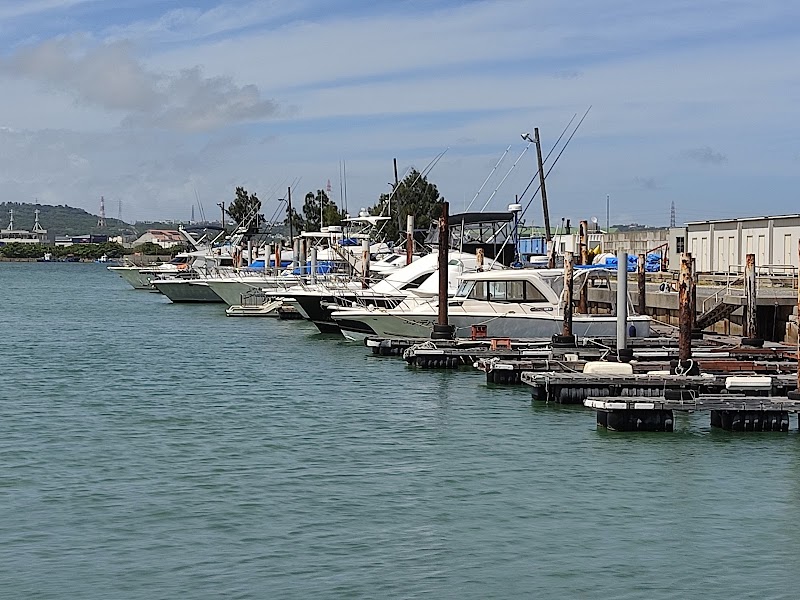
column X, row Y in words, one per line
column 166, row 238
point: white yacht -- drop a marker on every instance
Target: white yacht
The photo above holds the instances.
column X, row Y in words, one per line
column 420, row 278
column 513, row 303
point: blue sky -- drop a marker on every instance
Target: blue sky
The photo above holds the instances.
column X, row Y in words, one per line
column 145, row 102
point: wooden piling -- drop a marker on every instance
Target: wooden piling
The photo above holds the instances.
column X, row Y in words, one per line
column 795, row 394
column 584, row 258
column 685, row 285
column 278, row 258
column 750, row 294
column 640, row 264
column 442, row 329
column 267, row 257
column 693, row 297
column 409, row 239
column 364, row 264
column 568, row 272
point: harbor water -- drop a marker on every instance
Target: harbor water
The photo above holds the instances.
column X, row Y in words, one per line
column 155, row 450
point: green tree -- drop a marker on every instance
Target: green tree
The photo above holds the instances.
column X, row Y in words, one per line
column 415, row 195
column 245, row 209
column 313, row 205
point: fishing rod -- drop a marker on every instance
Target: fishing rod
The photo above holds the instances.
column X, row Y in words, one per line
column 489, row 176
column 506, row 176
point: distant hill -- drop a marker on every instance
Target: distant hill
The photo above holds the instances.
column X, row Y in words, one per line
column 61, row 220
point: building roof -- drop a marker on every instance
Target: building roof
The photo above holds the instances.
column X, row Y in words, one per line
column 733, row 220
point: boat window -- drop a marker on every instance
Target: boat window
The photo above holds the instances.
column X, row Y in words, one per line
column 464, row 289
column 532, row 293
column 497, row 291
column 479, row 291
column 412, row 285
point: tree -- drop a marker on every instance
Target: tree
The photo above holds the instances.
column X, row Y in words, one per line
column 415, row 195
column 244, row 209
column 310, row 221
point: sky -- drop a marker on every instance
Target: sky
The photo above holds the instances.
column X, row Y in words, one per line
column 159, row 106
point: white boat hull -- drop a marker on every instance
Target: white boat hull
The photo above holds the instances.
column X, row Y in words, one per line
column 186, row 291
column 386, row 324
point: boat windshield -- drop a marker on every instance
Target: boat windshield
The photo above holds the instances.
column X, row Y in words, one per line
column 465, row 288
column 556, row 282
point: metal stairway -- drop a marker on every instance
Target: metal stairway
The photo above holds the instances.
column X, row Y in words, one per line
column 721, row 310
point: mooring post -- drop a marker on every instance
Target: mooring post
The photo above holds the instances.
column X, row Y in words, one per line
column 364, row 264
column 267, row 256
column 750, row 333
column 693, row 298
column 409, row 239
column 584, row 243
column 249, row 252
column 442, row 330
column 622, row 306
column 684, row 365
column 566, row 338
column 640, row 264
column 313, row 253
column 278, row 247
column 795, row 394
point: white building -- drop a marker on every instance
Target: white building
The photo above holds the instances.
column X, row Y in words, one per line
column 166, row 238
column 10, row 235
column 721, row 246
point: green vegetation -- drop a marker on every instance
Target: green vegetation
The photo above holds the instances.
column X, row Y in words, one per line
column 415, row 195
column 60, row 220
column 312, row 206
column 84, row 251
column 244, row 209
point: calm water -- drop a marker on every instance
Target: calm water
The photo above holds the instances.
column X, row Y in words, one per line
column 151, row 450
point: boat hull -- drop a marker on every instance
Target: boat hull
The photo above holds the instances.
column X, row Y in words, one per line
column 385, row 324
column 186, row 291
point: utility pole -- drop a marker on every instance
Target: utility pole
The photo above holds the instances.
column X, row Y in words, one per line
column 222, row 206
column 608, row 213
column 545, row 210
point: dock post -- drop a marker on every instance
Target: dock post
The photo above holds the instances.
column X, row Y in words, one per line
column 567, row 338
column 249, row 252
column 313, row 253
column 685, row 365
column 301, row 255
column 750, row 333
column 278, row 247
column 640, row 264
column 584, row 258
column 364, row 264
column 583, row 293
column 795, row 394
column 267, row 256
column 409, row 239
column 442, row 330
column 295, row 252
column 623, row 353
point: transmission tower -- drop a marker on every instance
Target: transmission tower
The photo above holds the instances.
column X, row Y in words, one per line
column 119, row 210
column 101, row 220
column 672, row 215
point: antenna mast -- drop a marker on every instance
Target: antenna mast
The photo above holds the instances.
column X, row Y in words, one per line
column 101, row 220
column 672, row 214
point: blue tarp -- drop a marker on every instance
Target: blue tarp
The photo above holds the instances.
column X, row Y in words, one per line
column 323, row 268
column 652, row 263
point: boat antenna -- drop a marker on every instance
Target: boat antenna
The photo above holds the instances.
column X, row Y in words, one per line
column 478, row 193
